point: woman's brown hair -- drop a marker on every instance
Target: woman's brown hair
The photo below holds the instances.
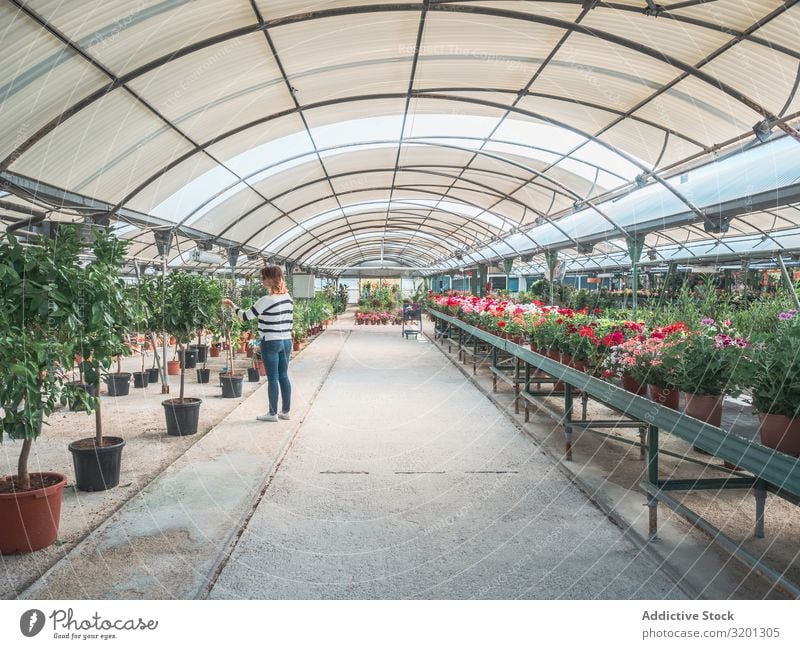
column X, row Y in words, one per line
column 273, row 276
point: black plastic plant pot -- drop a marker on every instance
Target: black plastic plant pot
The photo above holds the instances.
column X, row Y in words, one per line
column 231, row 386
column 141, row 379
column 119, row 385
column 191, row 358
column 73, row 387
column 97, row 469
column 202, row 352
column 203, row 375
column 252, row 374
column 182, row 416
column 153, row 375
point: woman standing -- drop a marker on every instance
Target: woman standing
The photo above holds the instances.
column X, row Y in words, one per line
column 275, row 314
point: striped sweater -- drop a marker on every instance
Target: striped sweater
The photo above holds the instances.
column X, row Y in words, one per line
column 274, row 313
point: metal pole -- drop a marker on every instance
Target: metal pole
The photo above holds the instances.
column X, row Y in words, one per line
column 652, row 478
column 635, row 247
column 164, row 375
column 789, row 282
column 551, row 256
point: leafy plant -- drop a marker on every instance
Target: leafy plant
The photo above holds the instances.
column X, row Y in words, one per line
column 710, row 360
column 191, row 304
column 106, row 314
column 38, row 322
column 774, row 371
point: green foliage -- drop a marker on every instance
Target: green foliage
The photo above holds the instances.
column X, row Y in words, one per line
column 336, row 298
column 379, row 297
column 106, row 311
column 706, row 366
column 150, row 295
column 38, row 323
column 775, row 368
column 761, row 315
column 342, row 298
column 192, row 302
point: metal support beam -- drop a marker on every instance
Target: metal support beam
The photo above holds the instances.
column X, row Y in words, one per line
column 635, row 248
column 483, row 279
column 789, row 283
column 164, row 338
column 508, row 264
column 551, row 257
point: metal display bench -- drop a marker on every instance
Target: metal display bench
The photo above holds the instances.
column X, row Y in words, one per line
column 412, row 320
column 771, row 470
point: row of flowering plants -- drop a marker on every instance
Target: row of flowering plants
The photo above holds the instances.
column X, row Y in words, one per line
column 705, row 362
column 380, row 317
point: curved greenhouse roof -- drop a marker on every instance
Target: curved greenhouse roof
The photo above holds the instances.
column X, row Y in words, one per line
column 423, row 134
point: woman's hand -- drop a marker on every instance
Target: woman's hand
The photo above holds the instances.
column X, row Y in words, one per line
column 228, row 303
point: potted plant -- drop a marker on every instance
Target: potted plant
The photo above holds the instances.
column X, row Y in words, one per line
column 141, row 314
column 150, row 291
column 208, row 295
column 186, row 309
column 656, row 364
column 774, row 374
column 37, row 300
column 230, row 379
column 106, row 315
column 254, row 372
column 708, row 366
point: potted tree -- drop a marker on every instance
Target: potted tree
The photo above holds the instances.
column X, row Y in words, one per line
column 37, row 318
column 208, row 296
column 141, row 315
column 150, row 293
column 230, row 380
column 253, row 372
column 184, row 312
column 106, row 314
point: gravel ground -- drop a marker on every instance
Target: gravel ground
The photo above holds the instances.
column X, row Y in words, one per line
column 139, row 419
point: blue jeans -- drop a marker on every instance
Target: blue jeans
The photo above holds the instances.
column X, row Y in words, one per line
column 276, row 355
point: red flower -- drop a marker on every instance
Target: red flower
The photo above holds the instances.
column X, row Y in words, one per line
column 607, row 374
column 597, row 311
column 501, row 323
column 559, row 320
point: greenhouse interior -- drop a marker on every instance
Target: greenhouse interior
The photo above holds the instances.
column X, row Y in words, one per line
column 538, row 264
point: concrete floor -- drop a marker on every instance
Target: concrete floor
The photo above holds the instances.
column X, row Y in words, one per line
column 395, row 478
column 404, row 481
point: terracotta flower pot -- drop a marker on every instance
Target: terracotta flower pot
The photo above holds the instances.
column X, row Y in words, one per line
column 262, row 371
column 668, row 397
column 173, row 367
column 296, row 347
column 780, row 432
column 215, row 352
column 29, row 520
column 580, row 365
column 249, row 352
column 632, row 385
column 705, row 407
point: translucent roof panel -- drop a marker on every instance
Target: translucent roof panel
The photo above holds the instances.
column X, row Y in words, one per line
column 273, row 125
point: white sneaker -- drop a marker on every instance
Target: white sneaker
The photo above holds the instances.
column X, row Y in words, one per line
column 284, row 415
column 267, row 417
